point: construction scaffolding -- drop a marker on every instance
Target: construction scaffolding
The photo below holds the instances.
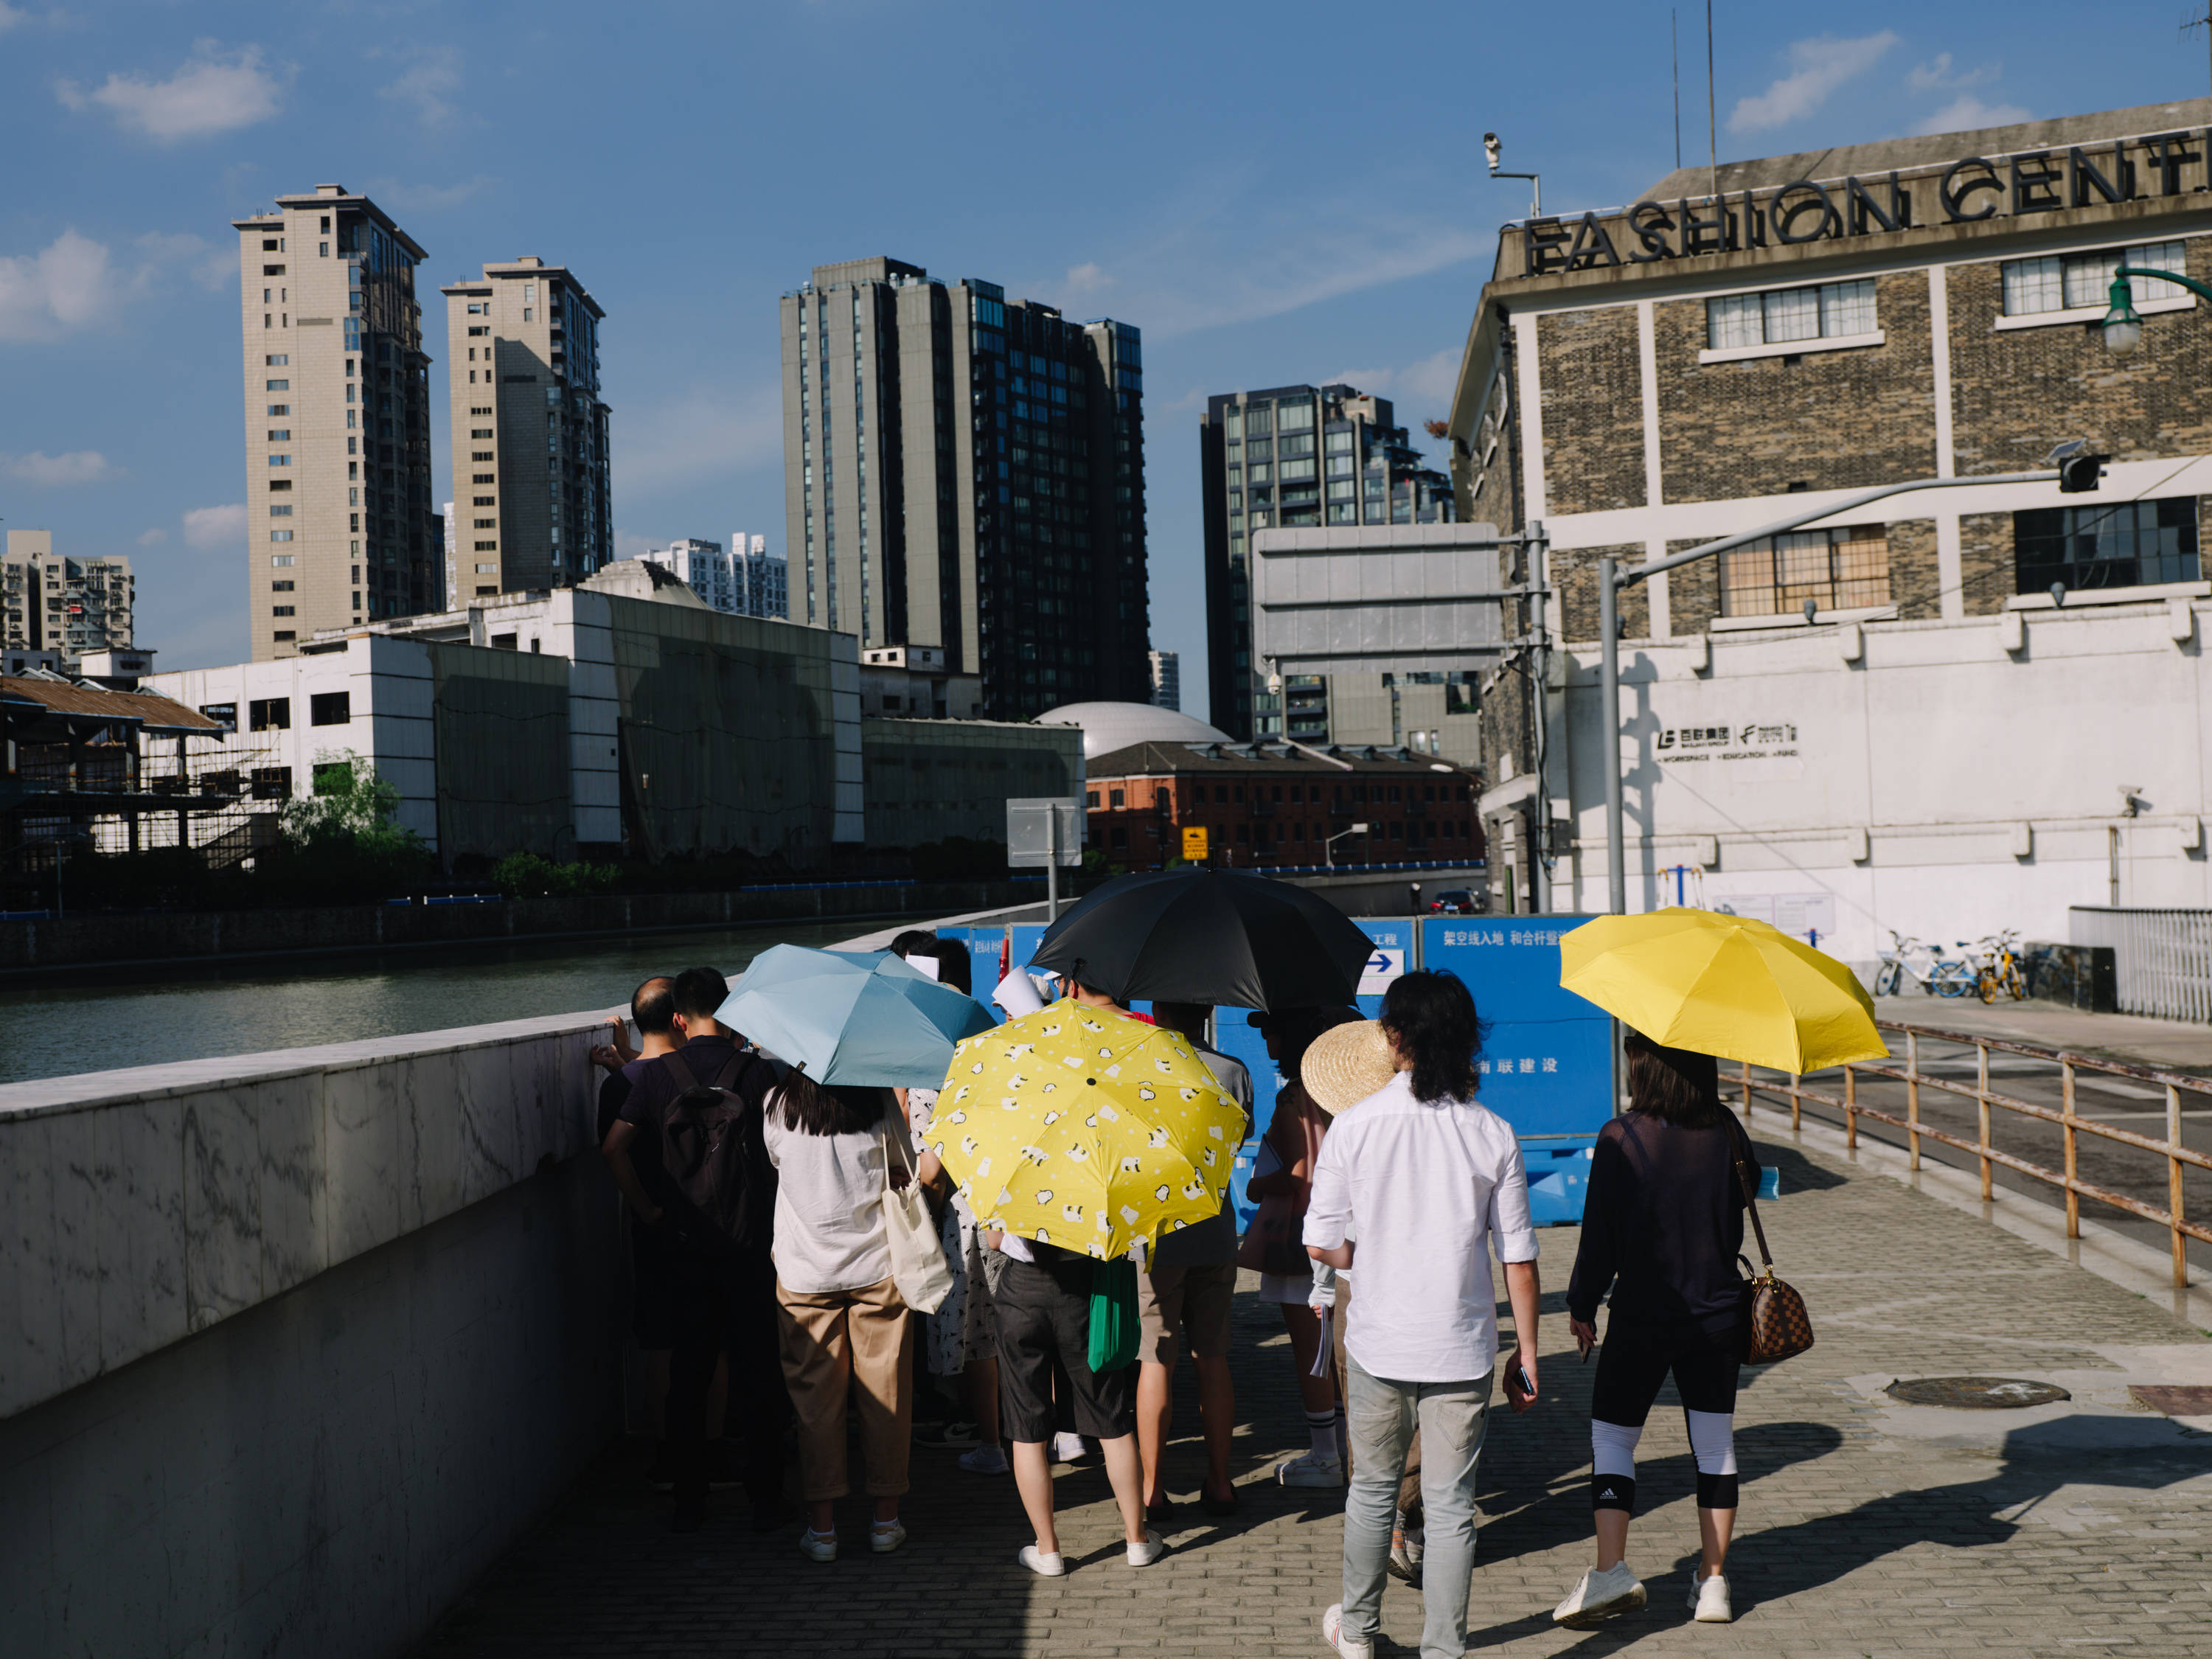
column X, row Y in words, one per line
column 88, row 769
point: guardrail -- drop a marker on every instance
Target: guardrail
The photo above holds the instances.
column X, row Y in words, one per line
column 2071, row 1124
column 2162, row 959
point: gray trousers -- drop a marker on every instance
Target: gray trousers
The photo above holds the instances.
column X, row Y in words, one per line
column 1382, row 1416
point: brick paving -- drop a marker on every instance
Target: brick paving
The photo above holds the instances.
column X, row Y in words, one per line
column 1862, row 1534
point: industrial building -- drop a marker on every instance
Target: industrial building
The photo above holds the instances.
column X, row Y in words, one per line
column 621, row 717
column 1884, row 720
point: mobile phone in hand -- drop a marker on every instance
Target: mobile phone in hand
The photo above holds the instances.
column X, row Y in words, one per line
column 1519, row 1388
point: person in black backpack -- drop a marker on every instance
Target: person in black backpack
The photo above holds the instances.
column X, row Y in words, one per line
column 688, row 1153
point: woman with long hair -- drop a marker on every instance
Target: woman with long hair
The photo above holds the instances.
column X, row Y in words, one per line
column 1663, row 1223
column 1281, row 1183
column 841, row 1319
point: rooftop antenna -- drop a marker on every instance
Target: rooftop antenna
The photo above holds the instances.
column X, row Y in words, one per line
column 1675, row 52
column 1712, row 121
column 2204, row 22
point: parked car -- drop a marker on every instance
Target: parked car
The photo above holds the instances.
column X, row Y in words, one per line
column 1453, row 902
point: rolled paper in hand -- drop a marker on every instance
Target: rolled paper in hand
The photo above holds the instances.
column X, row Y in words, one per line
column 1018, row 994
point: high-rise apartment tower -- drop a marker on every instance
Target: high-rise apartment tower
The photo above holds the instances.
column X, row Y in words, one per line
column 337, row 421
column 1293, row 455
column 529, row 434
column 70, row 606
column 966, row 475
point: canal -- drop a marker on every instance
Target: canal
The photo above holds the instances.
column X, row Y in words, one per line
column 99, row 1020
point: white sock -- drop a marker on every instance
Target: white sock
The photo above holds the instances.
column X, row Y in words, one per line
column 1320, row 1426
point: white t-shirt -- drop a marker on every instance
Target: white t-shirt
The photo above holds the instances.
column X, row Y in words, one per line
column 829, row 1206
column 1428, row 1184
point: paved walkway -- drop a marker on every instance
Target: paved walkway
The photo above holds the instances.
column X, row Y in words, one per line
column 2172, row 1045
column 1868, row 1528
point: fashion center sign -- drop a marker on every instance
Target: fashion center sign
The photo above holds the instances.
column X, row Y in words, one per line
column 1971, row 189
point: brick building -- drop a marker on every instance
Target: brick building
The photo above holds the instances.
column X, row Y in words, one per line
column 1643, row 380
column 1278, row 804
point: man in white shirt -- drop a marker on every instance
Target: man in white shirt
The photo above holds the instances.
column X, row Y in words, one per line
column 1425, row 1178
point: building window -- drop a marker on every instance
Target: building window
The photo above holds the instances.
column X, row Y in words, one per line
column 330, row 708
column 1114, row 798
column 273, row 782
column 1837, row 569
column 283, row 611
column 280, row 535
column 2131, row 545
column 1831, row 311
column 269, row 715
column 2079, row 281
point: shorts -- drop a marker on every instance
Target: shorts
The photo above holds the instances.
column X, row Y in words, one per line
column 653, row 1296
column 1044, row 1314
column 1285, row 1287
column 1180, row 1307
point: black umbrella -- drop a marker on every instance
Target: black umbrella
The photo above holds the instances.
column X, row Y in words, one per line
column 1222, row 936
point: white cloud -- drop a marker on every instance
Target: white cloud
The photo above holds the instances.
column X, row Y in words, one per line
column 701, row 434
column 1937, row 75
column 213, row 268
column 1430, row 382
column 1818, row 67
column 79, row 467
column 67, row 285
column 427, row 82
column 153, row 537
column 211, row 93
column 429, row 198
column 1086, row 278
column 216, row 529
column 1968, row 112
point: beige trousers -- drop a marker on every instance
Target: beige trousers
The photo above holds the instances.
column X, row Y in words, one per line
column 831, row 1341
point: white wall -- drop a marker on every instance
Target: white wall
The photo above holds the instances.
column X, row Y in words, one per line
column 391, row 700
column 1919, row 776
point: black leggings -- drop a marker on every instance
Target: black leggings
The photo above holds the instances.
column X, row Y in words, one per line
column 1631, row 1365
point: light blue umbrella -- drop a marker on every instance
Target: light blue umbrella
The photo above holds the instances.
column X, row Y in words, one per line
column 851, row 1016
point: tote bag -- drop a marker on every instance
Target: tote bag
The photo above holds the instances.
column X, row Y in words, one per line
column 918, row 1268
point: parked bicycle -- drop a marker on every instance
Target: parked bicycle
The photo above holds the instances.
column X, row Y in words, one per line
column 1999, row 974
column 1925, row 965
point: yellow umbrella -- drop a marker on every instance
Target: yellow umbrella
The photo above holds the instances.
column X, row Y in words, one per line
column 1723, row 984
column 1082, row 1128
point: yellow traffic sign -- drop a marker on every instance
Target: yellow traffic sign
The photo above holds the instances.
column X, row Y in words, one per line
column 1193, row 844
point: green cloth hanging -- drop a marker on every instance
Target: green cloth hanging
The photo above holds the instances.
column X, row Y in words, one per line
column 1113, row 1313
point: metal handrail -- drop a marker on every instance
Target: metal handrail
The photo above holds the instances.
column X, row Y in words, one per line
column 2179, row 1228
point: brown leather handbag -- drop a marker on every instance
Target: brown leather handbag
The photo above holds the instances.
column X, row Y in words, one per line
column 1775, row 1323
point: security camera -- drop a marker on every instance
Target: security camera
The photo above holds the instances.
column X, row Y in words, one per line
column 1491, row 148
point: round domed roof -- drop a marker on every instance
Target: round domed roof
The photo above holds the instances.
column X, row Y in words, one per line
column 1110, row 725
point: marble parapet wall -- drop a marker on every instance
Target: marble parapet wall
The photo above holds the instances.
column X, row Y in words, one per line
column 143, row 1206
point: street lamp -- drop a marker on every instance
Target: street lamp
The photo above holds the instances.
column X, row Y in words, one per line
column 2123, row 324
column 1328, row 847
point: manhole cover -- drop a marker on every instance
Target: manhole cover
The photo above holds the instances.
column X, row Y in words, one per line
column 1978, row 1393
column 2174, row 1400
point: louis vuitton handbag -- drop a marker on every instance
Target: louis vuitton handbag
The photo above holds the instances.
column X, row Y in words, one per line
column 1775, row 1324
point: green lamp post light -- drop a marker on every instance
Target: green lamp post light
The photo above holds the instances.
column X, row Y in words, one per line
column 2123, row 324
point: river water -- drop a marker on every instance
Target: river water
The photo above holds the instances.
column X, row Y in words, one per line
column 97, row 1020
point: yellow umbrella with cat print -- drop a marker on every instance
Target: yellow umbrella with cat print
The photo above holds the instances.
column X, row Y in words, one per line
column 1084, row 1129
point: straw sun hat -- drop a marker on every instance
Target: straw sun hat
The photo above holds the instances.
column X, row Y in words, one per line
column 1346, row 1064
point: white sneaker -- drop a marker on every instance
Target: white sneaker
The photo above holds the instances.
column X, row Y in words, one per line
column 1709, row 1602
column 820, row 1546
column 1311, row 1471
column 885, row 1537
column 1068, row 1449
column 984, row 1460
column 1600, row 1597
column 1332, row 1631
column 1054, row 1565
column 1144, row 1554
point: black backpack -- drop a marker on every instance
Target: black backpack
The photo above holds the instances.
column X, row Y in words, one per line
column 718, row 1188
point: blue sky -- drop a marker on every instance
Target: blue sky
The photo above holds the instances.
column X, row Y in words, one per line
column 1273, row 193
